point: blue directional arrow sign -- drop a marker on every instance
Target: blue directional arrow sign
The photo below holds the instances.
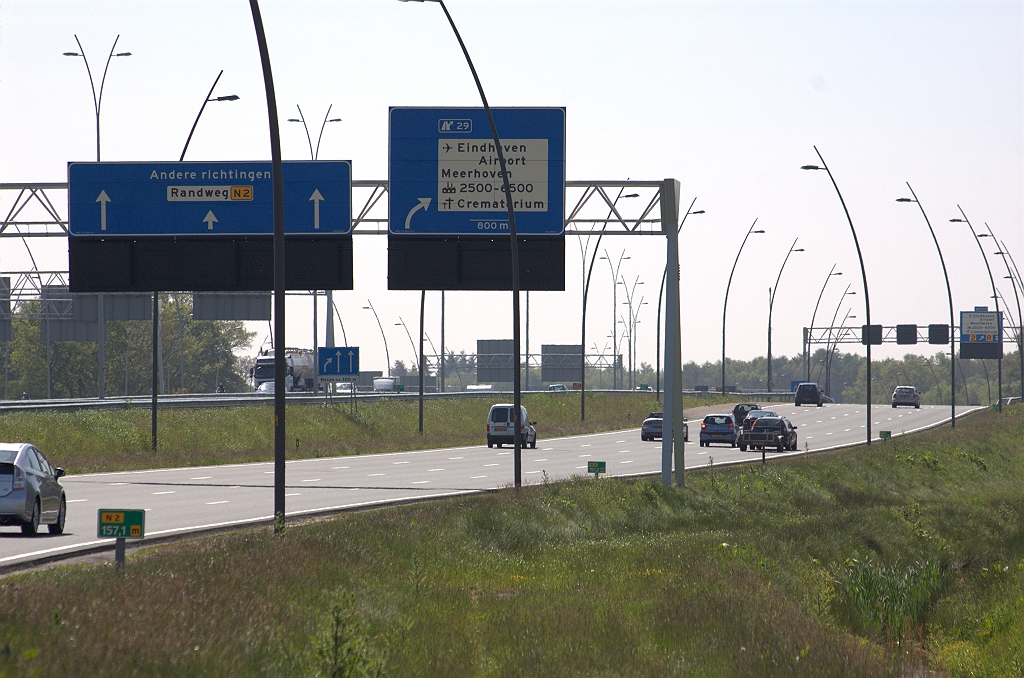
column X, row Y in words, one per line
column 206, row 198
column 445, row 177
column 338, row 361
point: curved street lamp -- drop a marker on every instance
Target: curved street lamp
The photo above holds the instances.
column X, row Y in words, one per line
column 226, row 97
column 314, row 155
column 864, row 276
column 725, row 304
column 586, row 293
column 415, row 355
column 995, row 297
column 517, row 374
column 97, row 100
column 771, row 305
column 661, row 293
column 807, row 339
column 833, row 338
column 949, row 294
column 615, row 305
column 387, row 355
column 1003, row 252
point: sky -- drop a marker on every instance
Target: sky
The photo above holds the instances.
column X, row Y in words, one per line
column 730, row 98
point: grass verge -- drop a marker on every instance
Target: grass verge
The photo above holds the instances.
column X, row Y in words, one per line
column 905, row 558
column 119, row 440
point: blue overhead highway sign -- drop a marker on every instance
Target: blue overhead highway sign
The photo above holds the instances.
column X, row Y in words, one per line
column 338, row 361
column 206, row 198
column 445, row 178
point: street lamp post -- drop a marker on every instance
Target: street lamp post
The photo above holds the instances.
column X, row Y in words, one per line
column 807, row 338
column 226, row 97
column 833, row 340
column 771, row 305
column 725, row 304
column 586, row 293
column 513, row 239
column 995, row 297
column 832, row 352
column 630, row 293
column 97, row 103
column 864, row 277
column 387, row 355
column 949, row 295
column 315, row 155
column 1003, row 252
column 615, row 305
column 661, row 293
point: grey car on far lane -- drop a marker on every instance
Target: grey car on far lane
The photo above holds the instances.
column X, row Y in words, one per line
column 30, row 493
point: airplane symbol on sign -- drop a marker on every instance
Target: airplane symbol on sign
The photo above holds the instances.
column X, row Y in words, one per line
column 447, row 147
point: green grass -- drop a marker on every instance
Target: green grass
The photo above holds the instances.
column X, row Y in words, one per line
column 117, row 440
column 893, row 560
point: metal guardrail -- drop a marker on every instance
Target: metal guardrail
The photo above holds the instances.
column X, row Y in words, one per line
column 242, row 399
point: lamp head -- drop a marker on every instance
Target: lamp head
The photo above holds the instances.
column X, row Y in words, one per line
column 801, row 249
column 905, row 200
column 334, row 120
column 72, row 54
column 294, row 120
column 984, row 235
column 838, row 273
column 958, row 221
column 811, row 167
column 631, row 195
column 698, row 212
column 758, row 231
column 227, row 97
column 123, row 54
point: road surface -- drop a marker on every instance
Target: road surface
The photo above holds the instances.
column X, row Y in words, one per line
column 196, row 499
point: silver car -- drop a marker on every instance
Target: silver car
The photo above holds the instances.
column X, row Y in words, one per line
column 906, row 395
column 30, row 494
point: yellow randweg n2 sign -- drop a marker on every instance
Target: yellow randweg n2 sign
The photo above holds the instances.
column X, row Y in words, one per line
column 121, row 523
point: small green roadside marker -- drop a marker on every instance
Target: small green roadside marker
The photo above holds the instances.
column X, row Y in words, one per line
column 597, row 467
column 885, row 435
column 120, row 524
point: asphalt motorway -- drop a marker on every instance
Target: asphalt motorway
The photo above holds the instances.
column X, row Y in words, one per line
column 196, row 499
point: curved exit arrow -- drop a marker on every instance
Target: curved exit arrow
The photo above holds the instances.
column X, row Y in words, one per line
column 424, row 204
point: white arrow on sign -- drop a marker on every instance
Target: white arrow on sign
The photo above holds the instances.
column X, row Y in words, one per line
column 103, row 199
column 210, row 219
column 326, row 365
column 350, row 367
column 338, row 355
column 316, row 198
column 424, row 204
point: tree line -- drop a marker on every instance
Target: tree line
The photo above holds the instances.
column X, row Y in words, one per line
column 197, row 356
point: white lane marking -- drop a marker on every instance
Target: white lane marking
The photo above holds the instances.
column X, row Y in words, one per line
column 546, row 449
column 311, row 480
column 267, row 472
column 492, row 465
column 619, row 441
column 293, row 494
column 581, row 467
column 808, row 437
column 476, row 477
column 829, row 433
column 704, row 452
column 588, row 445
column 399, row 462
column 503, row 453
column 431, row 470
column 72, row 501
column 540, row 459
column 628, row 461
column 845, row 430
column 621, row 451
column 453, row 458
column 818, row 422
column 118, row 483
column 164, row 492
column 528, row 472
column 213, row 503
column 833, row 417
column 371, row 475
column 420, row 482
column 201, row 478
column 335, row 468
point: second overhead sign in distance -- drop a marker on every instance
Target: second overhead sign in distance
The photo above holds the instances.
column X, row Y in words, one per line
column 206, row 198
column 445, row 177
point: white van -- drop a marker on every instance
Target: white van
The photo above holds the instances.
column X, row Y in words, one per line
column 500, row 428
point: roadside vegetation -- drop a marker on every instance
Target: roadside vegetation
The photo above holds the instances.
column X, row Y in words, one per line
column 116, row 440
column 902, row 559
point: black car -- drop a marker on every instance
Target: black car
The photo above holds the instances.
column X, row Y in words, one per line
column 768, row 432
column 808, row 393
column 739, row 413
